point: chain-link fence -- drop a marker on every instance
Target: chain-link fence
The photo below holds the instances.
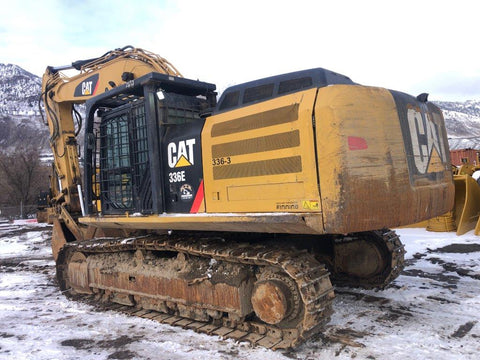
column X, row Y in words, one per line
column 21, row 211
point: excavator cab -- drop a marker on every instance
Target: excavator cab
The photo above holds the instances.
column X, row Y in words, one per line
column 153, row 123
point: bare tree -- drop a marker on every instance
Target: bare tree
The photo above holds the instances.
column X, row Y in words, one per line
column 22, row 177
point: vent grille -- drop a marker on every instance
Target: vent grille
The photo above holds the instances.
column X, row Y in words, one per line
column 273, row 117
column 286, row 165
column 259, row 144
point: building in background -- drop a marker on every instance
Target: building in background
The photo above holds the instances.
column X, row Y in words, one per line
column 464, row 150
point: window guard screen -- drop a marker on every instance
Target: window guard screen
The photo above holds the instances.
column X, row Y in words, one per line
column 124, row 160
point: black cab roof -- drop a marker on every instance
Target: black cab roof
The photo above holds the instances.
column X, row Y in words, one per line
column 271, row 87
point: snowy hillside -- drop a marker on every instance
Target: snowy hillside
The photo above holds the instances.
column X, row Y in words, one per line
column 20, row 121
column 462, row 120
column 19, row 91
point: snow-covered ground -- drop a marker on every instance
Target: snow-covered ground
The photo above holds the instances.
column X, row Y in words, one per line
column 432, row 311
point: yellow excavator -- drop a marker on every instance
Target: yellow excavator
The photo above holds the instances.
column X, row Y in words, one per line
column 234, row 217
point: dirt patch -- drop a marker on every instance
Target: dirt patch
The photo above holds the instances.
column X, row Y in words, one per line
column 447, row 281
column 18, row 232
column 78, row 343
column 18, row 264
column 452, row 267
column 460, row 271
column 442, row 300
column 19, row 260
column 124, row 354
column 13, row 263
column 230, row 352
column 364, row 297
column 464, row 329
column 344, row 336
column 113, row 344
column 458, row 248
column 352, row 333
column 393, row 314
column 118, row 342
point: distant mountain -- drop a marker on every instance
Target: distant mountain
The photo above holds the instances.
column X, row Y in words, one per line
column 462, row 120
column 20, row 121
column 19, row 91
column 20, row 117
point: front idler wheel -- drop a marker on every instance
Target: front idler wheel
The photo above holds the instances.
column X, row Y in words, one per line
column 276, row 299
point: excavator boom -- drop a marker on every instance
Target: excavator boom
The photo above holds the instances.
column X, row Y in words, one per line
column 60, row 93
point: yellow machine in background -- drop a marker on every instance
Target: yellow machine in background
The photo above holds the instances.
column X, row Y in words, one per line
column 235, row 217
column 465, row 215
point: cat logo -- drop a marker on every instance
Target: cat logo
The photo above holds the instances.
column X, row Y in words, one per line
column 87, row 87
column 180, row 154
column 427, row 142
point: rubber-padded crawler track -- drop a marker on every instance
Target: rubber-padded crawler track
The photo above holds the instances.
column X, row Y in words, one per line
column 310, row 276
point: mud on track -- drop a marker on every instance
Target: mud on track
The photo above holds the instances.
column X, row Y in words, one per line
column 432, row 311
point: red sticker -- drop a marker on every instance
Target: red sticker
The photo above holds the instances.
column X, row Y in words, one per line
column 198, row 199
column 357, row 143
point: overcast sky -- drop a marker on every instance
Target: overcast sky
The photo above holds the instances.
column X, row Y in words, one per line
column 409, row 45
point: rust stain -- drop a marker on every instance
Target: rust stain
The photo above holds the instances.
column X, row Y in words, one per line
column 173, row 280
column 269, row 302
